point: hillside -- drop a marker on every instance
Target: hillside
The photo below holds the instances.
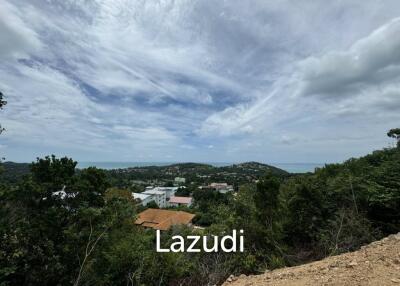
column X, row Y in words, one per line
column 197, row 173
column 375, row 264
column 12, row 172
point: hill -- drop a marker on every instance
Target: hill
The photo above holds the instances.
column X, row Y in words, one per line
column 196, row 173
column 250, row 167
column 12, row 172
column 375, row 264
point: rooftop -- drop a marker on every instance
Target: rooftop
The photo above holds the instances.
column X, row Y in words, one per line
column 163, row 219
column 153, row 192
column 180, row 200
column 140, row 196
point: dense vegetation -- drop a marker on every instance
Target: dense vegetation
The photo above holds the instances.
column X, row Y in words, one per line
column 13, row 172
column 195, row 173
column 61, row 226
column 88, row 237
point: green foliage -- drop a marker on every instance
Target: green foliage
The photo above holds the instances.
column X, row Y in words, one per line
column 206, row 202
column 343, row 206
column 61, row 226
column 13, row 173
column 48, row 222
column 2, row 104
column 152, row 205
column 346, row 231
column 395, row 133
column 183, row 192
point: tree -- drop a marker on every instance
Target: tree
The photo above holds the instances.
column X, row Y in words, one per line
column 395, row 133
column 2, row 103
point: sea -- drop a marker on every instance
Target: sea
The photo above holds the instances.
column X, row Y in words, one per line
column 289, row 167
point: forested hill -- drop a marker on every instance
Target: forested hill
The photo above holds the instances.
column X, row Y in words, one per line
column 193, row 172
column 201, row 168
column 198, row 173
column 12, row 172
column 342, row 206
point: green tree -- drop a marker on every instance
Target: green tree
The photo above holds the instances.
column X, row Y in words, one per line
column 2, row 104
column 395, row 133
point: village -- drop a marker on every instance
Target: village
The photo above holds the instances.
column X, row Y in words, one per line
column 163, row 217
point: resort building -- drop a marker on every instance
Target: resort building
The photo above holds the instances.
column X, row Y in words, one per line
column 159, row 197
column 169, row 191
column 143, row 198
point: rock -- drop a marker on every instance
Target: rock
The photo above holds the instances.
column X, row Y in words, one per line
column 395, row 280
column 242, row 276
column 352, row 264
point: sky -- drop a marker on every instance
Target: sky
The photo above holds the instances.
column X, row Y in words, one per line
column 198, row 80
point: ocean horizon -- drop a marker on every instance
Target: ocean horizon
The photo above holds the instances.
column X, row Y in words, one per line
column 289, row 167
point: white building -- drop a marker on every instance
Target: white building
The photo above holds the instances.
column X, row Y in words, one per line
column 169, row 191
column 144, row 198
column 179, row 180
column 159, row 197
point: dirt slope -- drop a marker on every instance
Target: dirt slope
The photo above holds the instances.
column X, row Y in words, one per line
column 375, row 264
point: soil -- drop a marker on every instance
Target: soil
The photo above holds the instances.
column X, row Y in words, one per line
column 375, row 264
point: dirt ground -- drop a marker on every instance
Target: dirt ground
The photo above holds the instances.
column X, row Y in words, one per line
column 375, row 264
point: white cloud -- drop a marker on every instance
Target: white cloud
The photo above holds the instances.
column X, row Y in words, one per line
column 372, row 60
column 139, row 79
column 17, row 39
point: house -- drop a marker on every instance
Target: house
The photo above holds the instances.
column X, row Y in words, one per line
column 223, row 188
column 179, row 180
column 163, row 219
column 180, row 201
column 159, row 197
column 144, row 198
column 169, row 191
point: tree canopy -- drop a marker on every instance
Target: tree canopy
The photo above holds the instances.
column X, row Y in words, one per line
column 395, row 133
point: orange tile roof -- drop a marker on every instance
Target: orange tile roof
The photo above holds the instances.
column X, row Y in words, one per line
column 163, row 219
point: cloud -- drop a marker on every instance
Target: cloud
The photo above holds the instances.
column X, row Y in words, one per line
column 362, row 80
column 124, row 80
column 17, row 39
column 370, row 61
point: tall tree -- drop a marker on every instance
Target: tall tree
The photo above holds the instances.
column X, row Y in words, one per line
column 2, row 103
column 395, row 133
